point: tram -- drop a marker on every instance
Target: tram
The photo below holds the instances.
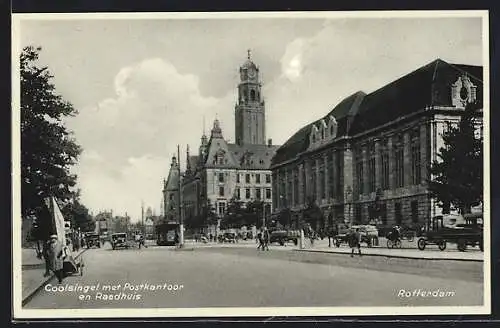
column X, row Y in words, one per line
column 166, row 233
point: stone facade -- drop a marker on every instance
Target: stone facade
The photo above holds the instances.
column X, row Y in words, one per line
column 378, row 148
column 222, row 171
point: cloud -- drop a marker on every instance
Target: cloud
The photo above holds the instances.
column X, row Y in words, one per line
column 132, row 136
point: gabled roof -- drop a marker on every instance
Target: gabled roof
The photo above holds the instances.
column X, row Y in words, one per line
column 172, row 182
column 424, row 87
column 250, row 156
column 299, row 142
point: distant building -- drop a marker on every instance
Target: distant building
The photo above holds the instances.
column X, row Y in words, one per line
column 223, row 170
column 171, row 192
column 369, row 157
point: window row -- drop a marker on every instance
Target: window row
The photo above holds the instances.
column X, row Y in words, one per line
column 258, row 193
column 391, row 159
column 258, row 177
column 381, row 212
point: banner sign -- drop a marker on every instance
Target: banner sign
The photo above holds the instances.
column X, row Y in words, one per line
column 57, row 219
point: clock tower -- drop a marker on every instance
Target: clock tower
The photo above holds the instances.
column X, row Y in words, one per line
column 250, row 109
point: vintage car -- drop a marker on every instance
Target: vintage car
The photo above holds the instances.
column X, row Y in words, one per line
column 467, row 233
column 283, row 236
column 92, row 239
column 120, row 240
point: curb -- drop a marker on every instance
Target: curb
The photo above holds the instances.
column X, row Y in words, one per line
column 392, row 256
column 30, row 296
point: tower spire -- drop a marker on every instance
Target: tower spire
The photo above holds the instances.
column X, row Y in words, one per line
column 248, row 54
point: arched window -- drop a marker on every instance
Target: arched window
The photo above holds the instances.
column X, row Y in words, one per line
column 252, row 95
column 314, row 137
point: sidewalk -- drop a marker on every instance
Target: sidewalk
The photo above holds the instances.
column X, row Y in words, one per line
column 32, row 272
column 408, row 250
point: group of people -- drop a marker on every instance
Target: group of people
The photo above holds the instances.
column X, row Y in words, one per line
column 263, row 238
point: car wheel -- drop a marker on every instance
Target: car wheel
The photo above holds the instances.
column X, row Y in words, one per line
column 421, row 244
column 397, row 244
column 442, row 245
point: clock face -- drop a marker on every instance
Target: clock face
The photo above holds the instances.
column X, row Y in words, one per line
column 251, row 73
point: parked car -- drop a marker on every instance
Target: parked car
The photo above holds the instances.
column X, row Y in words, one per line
column 283, row 236
column 465, row 234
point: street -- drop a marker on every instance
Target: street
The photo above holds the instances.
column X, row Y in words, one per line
column 241, row 276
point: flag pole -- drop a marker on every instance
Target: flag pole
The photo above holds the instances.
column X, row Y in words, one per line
column 181, row 221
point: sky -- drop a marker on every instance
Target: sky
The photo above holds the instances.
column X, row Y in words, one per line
column 143, row 86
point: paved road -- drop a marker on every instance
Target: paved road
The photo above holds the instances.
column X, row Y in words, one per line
column 244, row 277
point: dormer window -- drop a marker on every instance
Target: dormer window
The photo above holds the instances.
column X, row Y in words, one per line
column 322, row 134
column 314, row 137
column 332, row 130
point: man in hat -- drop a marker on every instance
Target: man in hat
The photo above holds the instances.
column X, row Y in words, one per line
column 56, row 257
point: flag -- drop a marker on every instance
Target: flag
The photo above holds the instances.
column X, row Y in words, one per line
column 57, row 219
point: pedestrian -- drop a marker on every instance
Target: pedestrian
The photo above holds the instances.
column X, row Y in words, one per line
column 265, row 237
column 355, row 242
column 56, row 256
column 261, row 241
column 46, row 257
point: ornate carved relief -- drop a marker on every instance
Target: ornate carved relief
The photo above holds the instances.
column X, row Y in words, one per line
column 463, row 92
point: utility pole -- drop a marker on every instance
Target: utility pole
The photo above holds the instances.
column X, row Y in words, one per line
column 142, row 218
column 181, row 221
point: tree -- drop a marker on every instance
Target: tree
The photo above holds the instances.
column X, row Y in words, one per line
column 234, row 216
column 254, row 213
column 47, row 147
column 458, row 172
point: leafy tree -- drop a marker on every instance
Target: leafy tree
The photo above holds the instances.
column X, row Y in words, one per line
column 236, row 215
column 458, row 174
column 78, row 214
column 254, row 213
column 209, row 214
column 47, row 147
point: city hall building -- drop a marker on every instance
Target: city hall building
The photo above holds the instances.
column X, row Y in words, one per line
column 369, row 157
column 222, row 170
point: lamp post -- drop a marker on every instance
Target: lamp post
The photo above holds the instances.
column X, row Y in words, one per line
column 181, row 221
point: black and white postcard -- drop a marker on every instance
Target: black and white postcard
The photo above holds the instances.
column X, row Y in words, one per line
column 250, row 164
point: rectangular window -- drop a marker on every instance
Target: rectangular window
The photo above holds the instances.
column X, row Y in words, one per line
column 329, row 170
column 339, row 168
column 415, row 159
column 398, row 215
column 383, row 213
column 399, row 164
column 247, row 178
column 221, row 177
column 238, row 193
column 257, row 178
column 357, row 213
column 221, row 191
column 359, row 172
column 237, row 178
column 247, row 193
column 268, row 178
column 296, row 187
column 322, row 183
column 257, row 193
column 222, row 208
column 371, row 168
column 268, row 193
column 414, row 211
column 384, row 163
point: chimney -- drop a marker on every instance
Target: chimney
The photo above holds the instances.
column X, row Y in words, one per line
column 269, row 142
